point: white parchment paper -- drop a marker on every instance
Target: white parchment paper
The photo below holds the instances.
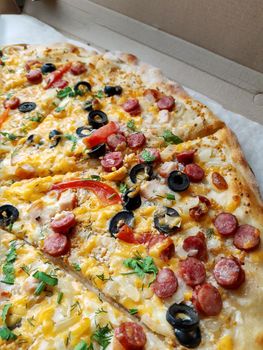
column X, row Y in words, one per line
column 26, row 29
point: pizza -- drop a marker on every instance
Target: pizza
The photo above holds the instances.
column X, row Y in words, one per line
column 139, row 193
column 42, row 308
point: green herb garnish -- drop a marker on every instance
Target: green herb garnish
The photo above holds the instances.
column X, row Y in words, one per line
column 73, row 139
column 131, row 125
column 5, row 312
column 95, row 177
column 82, row 345
column 133, row 311
column 141, row 266
column 210, row 232
column 103, row 278
column 8, row 267
column 100, row 94
column 170, row 138
column 67, row 92
column 8, row 136
column 76, row 267
column 102, row 336
column 170, row 196
column 44, row 277
column 59, row 298
column 26, row 269
column 7, row 334
column 38, row 118
column 147, row 156
column 123, row 187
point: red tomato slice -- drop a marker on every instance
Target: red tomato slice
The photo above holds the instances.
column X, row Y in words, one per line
column 4, row 116
column 57, row 75
column 100, row 135
column 104, row 192
column 126, row 234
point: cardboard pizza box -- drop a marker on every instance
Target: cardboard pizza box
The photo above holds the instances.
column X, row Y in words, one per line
column 213, row 47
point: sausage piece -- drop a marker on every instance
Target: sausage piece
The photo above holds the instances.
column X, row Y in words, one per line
column 34, row 76
column 229, row 273
column 78, row 68
column 132, row 106
column 192, row 271
column 196, row 246
column 56, row 244
column 136, row 140
column 116, row 142
column 194, row 172
column 247, row 237
column 226, row 224
column 112, row 161
column 219, row 181
column 165, row 247
column 186, row 157
column 63, row 222
column 166, row 283
column 131, row 336
column 207, row 300
column 166, row 102
column 12, row 103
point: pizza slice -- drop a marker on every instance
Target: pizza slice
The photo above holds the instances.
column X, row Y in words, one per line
column 95, row 99
column 43, row 307
column 183, row 239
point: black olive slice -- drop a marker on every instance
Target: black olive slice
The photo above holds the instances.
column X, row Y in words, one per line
column 182, row 316
column 189, row 339
column 55, row 137
column 79, row 131
column 144, row 169
column 112, row 90
column 178, row 181
column 30, row 139
column 132, row 199
column 27, row 107
column 97, row 119
column 8, row 215
column 167, row 220
column 118, row 220
column 48, row 68
column 82, row 87
column 98, row 151
column 88, row 105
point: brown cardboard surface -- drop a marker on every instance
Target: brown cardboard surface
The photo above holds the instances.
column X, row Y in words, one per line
column 230, row 28
column 8, row 7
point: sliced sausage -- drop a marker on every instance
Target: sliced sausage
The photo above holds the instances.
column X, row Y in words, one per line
column 63, row 222
column 112, row 161
column 226, row 224
column 192, row 271
column 199, row 211
column 194, row 172
column 247, row 237
column 196, row 246
column 166, row 102
column 186, row 157
column 56, row 244
column 219, row 181
column 136, row 140
column 132, row 106
column 152, row 95
column 166, row 283
column 60, row 84
column 34, row 76
column 165, row 248
column 12, row 103
column 116, row 142
column 30, row 63
column 207, row 300
column 131, row 336
column 229, row 273
column 78, row 68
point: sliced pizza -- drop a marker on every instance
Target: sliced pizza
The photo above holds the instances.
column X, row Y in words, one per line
column 43, row 307
column 178, row 239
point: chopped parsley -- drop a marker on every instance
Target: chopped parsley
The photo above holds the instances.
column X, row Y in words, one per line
column 123, row 187
column 8, row 267
column 100, row 94
column 61, row 108
column 37, row 118
column 82, row 345
column 95, row 177
column 100, row 311
column 147, row 156
column 7, row 334
column 102, row 336
column 8, row 136
column 26, row 269
column 76, row 267
column 67, row 92
column 133, row 311
column 171, row 138
column 131, row 125
column 59, row 298
column 76, row 306
column 170, row 196
column 210, row 232
column 5, row 312
column 141, row 266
